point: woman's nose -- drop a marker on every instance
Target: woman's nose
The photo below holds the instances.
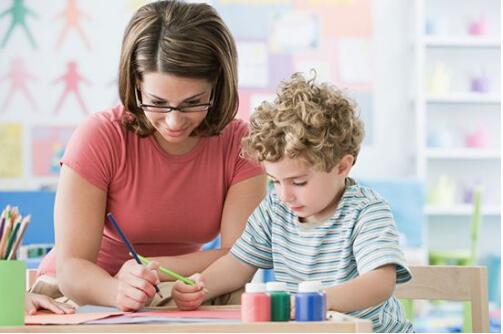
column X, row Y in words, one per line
column 174, row 119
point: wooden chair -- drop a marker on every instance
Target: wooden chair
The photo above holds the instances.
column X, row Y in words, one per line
column 455, row 283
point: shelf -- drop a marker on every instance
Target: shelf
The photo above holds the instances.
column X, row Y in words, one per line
column 461, row 42
column 461, row 210
column 464, row 98
column 462, row 153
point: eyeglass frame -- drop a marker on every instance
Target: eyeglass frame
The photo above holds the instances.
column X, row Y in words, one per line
column 168, row 109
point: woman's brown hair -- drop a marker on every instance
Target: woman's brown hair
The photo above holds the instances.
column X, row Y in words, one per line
column 187, row 40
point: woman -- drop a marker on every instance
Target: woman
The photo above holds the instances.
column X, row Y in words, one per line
column 166, row 163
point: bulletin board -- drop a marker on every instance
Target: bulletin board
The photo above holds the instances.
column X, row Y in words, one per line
column 59, row 60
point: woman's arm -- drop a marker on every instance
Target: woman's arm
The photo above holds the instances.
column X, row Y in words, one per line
column 242, row 198
column 365, row 291
column 79, row 217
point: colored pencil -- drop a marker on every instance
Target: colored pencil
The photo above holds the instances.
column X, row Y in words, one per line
column 129, row 245
column 12, row 237
column 171, row 273
column 6, row 232
column 22, row 230
column 2, row 224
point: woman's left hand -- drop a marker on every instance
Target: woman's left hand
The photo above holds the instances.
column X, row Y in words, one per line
column 34, row 302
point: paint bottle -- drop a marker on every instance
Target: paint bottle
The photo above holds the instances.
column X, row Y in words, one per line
column 280, row 301
column 310, row 302
column 255, row 303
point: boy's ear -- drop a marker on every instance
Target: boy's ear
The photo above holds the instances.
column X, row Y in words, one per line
column 345, row 165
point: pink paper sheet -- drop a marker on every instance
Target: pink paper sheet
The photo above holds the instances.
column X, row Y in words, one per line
column 44, row 318
column 215, row 314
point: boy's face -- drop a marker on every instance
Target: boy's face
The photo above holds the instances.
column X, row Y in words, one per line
column 311, row 194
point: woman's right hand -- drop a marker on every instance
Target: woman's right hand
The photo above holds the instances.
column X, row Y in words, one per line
column 189, row 297
column 136, row 285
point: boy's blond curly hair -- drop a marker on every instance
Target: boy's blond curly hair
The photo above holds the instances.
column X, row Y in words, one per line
column 315, row 122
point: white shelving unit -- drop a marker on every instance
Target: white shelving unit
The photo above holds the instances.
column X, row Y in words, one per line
column 463, row 98
column 461, row 153
column 461, row 210
column 456, row 109
column 460, row 42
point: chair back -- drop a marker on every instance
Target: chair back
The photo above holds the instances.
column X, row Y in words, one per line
column 455, row 283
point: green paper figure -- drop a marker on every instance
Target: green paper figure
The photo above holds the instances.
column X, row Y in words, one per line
column 18, row 12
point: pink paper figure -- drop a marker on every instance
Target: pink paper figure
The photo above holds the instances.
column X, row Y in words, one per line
column 73, row 15
column 71, row 78
column 19, row 78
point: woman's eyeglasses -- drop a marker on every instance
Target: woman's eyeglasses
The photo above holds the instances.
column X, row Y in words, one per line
column 188, row 108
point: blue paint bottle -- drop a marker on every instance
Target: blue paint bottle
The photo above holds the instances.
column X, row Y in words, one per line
column 310, row 302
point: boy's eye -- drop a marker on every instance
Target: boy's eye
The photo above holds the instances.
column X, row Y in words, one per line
column 273, row 181
column 300, row 184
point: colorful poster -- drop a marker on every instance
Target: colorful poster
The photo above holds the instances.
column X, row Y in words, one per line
column 48, row 144
column 60, row 59
column 11, row 157
column 315, row 37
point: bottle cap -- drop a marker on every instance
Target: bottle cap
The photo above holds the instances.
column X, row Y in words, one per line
column 310, row 286
column 255, row 287
column 275, row 286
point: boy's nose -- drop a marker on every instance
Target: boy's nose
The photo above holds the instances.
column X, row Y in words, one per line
column 286, row 195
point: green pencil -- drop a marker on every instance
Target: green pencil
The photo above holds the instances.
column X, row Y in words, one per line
column 169, row 272
column 12, row 237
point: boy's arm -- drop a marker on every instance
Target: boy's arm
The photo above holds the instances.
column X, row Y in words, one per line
column 367, row 290
column 226, row 275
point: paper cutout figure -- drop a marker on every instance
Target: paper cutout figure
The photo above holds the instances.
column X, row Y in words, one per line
column 48, row 145
column 71, row 78
column 18, row 12
column 19, row 78
column 73, row 14
column 11, row 151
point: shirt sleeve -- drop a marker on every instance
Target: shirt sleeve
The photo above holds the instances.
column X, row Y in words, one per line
column 93, row 151
column 376, row 241
column 254, row 245
column 242, row 168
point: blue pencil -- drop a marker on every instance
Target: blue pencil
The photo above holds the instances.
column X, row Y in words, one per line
column 129, row 245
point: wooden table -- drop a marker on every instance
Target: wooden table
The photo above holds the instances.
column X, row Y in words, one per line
column 337, row 324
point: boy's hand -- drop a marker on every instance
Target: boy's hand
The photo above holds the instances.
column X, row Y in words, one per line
column 189, row 297
column 136, row 285
column 34, row 302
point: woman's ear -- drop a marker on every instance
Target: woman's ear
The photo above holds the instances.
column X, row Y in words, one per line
column 345, row 164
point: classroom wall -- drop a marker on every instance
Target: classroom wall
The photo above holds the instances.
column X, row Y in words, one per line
column 33, row 130
column 393, row 153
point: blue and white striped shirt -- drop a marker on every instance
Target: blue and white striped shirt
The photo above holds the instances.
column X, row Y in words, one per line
column 360, row 237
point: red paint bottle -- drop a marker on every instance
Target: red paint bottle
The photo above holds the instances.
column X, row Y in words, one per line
column 255, row 303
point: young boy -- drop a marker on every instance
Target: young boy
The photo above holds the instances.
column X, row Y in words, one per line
column 318, row 224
